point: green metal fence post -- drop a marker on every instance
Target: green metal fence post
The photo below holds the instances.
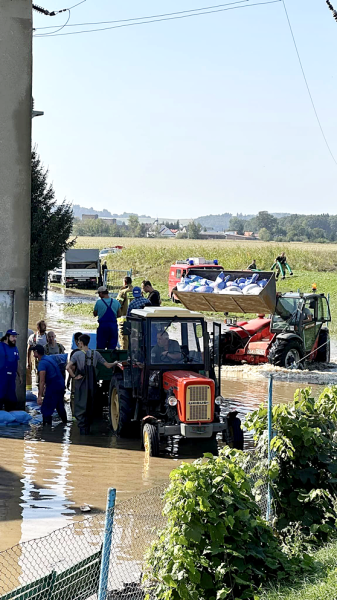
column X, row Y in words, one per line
column 270, row 435
column 109, row 518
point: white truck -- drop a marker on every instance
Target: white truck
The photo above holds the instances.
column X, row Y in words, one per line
column 81, row 268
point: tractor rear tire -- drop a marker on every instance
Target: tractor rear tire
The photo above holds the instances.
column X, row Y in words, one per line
column 323, row 354
column 121, row 407
column 151, row 439
column 284, row 353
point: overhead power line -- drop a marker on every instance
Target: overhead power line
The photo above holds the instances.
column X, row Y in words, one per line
column 307, row 85
column 159, row 20
column 53, row 13
column 192, row 10
column 334, row 12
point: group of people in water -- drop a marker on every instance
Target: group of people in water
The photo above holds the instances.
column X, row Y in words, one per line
column 49, row 360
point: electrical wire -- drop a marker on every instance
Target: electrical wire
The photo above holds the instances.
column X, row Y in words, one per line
column 157, row 20
column 334, row 12
column 62, row 27
column 53, row 13
column 307, row 84
column 149, row 16
column 78, row 3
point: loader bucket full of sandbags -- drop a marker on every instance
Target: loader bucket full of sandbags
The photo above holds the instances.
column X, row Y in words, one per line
column 229, row 291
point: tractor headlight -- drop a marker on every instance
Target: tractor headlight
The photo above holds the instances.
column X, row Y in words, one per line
column 219, row 400
column 172, row 401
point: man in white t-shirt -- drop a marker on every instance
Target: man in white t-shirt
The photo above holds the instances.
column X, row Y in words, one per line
column 40, row 337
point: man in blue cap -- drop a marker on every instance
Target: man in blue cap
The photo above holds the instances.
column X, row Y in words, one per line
column 9, row 369
column 107, row 310
column 138, row 301
column 51, row 386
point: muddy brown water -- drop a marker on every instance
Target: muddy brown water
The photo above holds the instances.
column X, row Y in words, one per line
column 47, row 474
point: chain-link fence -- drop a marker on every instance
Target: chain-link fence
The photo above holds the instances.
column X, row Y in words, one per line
column 68, row 564
column 113, row 279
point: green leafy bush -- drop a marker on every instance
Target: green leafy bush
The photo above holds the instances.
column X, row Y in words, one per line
column 216, row 545
column 303, row 470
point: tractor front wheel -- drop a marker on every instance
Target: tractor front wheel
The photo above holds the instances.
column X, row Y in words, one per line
column 120, row 407
column 285, row 353
column 151, row 439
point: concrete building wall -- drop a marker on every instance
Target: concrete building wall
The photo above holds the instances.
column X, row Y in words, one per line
column 108, row 220
column 15, row 159
column 89, row 217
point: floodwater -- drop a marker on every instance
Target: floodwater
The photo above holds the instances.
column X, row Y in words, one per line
column 46, row 475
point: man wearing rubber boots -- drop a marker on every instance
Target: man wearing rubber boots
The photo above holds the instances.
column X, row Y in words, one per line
column 82, row 368
column 51, row 387
column 107, row 310
column 9, row 369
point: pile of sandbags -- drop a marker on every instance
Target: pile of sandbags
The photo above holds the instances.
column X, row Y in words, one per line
column 250, row 285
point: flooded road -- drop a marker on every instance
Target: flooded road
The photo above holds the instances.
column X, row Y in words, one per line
column 47, row 474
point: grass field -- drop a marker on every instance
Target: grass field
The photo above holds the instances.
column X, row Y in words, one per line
column 321, row 585
column 151, row 259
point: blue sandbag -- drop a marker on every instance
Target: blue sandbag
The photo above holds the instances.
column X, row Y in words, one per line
column 37, row 420
column 20, row 416
column 6, row 418
column 31, row 397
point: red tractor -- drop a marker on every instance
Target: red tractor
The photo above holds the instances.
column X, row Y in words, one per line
column 168, row 385
column 294, row 330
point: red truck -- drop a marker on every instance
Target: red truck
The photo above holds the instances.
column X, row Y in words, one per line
column 191, row 266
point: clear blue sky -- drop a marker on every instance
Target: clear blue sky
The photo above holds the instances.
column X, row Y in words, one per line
column 189, row 117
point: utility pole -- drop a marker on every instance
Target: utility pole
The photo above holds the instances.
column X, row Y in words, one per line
column 15, row 170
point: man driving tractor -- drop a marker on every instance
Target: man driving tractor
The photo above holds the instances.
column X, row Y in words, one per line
column 166, row 350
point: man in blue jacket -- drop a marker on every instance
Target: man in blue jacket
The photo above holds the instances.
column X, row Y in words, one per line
column 51, row 387
column 9, row 369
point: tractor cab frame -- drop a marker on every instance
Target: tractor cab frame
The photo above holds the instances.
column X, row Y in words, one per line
column 167, row 384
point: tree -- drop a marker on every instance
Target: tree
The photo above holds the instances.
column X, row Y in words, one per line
column 238, row 225
column 266, row 221
column 194, row 230
column 264, row 235
column 51, row 227
column 133, row 224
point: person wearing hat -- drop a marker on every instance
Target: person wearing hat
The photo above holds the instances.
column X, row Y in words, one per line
column 9, row 369
column 107, row 310
column 138, row 300
column 51, row 386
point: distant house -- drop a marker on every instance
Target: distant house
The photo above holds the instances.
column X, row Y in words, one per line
column 246, row 237
column 166, row 232
column 109, row 220
column 227, row 235
column 89, row 217
column 213, row 235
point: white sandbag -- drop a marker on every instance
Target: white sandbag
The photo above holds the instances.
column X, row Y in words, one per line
column 204, row 289
column 253, row 288
column 231, row 290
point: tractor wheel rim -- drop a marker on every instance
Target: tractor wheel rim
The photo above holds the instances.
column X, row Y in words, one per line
column 114, row 409
column 293, row 356
column 146, row 442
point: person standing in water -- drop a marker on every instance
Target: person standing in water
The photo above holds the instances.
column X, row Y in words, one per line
column 107, row 310
column 82, row 368
column 51, row 387
column 9, row 369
